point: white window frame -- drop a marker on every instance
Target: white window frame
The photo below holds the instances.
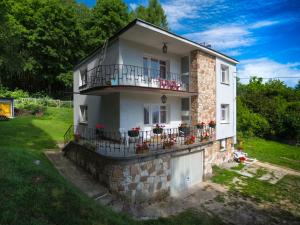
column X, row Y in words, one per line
column 225, row 71
column 151, row 110
column 148, row 58
column 223, row 144
column 83, row 76
column 83, row 112
column 225, row 108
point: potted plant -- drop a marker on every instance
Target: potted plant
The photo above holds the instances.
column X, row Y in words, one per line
column 134, row 132
column 158, row 129
column 77, row 137
column 200, row 125
column 212, row 124
column 184, row 129
column 205, row 137
column 99, row 130
column 142, row 148
column 190, row 140
column 168, row 143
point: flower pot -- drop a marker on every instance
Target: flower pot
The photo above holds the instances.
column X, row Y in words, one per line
column 133, row 133
column 158, row 130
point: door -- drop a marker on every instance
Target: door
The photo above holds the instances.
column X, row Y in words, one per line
column 186, row 171
column 5, row 109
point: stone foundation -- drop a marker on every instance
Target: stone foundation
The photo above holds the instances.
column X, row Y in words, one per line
column 142, row 177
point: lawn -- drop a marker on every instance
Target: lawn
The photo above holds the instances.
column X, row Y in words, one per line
column 273, row 152
column 31, row 190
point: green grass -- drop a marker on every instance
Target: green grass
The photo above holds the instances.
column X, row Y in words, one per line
column 258, row 190
column 32, row 194
column 273, row 152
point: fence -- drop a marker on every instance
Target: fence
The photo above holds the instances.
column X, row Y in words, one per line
column 45, row 102
column 121, row 143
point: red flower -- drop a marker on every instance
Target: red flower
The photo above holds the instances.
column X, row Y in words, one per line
column 99, row 126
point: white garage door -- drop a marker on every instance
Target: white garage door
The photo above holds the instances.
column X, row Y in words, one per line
column 186, row 170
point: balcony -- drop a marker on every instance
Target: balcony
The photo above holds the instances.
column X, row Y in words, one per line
column 116, row 76
column 138, row 142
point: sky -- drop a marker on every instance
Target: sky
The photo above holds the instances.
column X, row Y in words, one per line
column 264, row 35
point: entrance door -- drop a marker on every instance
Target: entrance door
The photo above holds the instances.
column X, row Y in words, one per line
column 186, row 170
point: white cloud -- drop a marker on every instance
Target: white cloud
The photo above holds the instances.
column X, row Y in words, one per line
column 268, row 68
column 229, row 37
column 224, row 37
column 178, row 10
column 264, row 23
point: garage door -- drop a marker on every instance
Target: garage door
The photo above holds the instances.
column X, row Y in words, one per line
column 5, row 109
column 186, row 170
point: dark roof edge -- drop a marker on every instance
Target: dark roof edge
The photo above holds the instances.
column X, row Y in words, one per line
column 134, row 22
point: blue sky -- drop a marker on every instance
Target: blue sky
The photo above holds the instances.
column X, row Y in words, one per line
column 264, row 35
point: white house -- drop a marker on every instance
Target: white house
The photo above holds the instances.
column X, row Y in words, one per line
column 148, row 76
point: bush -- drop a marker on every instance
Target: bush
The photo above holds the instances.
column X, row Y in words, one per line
column 251, row 124
column 30, row 107
column 16, row 94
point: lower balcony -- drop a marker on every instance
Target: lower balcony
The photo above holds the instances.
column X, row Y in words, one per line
column 138, row 142
column 106, row 77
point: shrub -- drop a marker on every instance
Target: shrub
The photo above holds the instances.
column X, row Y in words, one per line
column 30, row 107
column 16, row 94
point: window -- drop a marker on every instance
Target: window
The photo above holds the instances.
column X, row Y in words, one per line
column 83, row 76
column 223, row 144
column 146, row 114
column 185, row 110
column 224, row 113
column 158, row 68
column 145, row 65
column 159, row 114
column 224, row 74
column 83, row 113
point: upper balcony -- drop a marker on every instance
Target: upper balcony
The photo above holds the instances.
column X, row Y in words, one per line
column 117, row 77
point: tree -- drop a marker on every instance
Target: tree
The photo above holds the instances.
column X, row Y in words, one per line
column 153, row 13
column 107, row 17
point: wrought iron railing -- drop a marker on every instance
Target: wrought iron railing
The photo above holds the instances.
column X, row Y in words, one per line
column 132, row 142
column 129, row 75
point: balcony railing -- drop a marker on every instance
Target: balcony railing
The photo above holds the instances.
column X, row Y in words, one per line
column 129, row 75
column 129, row 143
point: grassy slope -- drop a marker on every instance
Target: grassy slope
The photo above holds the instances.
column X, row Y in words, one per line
column 273, row 152
column 37, row 194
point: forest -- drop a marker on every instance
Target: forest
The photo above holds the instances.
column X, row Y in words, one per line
column 42, row 40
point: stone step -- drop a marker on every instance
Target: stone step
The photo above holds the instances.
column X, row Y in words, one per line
column 105, row 199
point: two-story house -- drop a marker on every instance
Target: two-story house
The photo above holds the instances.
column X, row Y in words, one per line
column 158, row 109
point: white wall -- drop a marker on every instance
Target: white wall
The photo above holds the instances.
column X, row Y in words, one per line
column 226, row 94
column 97, row 105
column 132, row 110
column 132, row 54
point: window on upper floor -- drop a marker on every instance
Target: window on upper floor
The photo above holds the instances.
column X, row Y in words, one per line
column 83, row 76
column 83, row 110
column 155, row 67
column 224, row 113
column 224, row 74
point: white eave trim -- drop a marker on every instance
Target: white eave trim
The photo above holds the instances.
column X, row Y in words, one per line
column 207, row 50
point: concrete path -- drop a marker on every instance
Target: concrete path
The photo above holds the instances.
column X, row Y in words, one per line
column 76, row 175
column 277, row 168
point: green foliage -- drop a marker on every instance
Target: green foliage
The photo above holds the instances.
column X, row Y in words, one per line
column 153, row 13
column 30, row 107
column 16, row 94
column 268, row 109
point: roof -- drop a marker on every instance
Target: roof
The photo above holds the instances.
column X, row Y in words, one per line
column 163, row 31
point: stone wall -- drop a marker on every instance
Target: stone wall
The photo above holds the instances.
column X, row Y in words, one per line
column 134, row 180
column 213, row 155
column 203, row 82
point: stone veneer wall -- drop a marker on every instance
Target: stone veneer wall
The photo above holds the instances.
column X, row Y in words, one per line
column 213, row 155
column 203, row 81
column 135, row 180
